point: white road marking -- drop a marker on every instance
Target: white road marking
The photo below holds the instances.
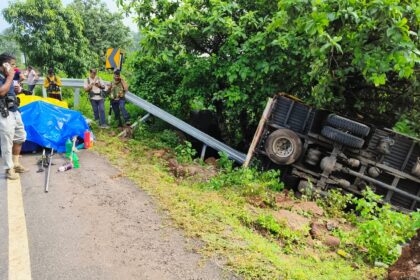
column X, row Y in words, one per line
column 19, row 259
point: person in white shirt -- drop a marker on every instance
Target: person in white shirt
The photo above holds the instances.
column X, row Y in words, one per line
column 32, row 78
column 95, row 87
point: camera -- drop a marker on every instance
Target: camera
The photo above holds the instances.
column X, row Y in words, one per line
column 3, row 108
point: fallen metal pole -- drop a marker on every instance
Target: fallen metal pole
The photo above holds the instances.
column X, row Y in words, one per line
column 47, row 181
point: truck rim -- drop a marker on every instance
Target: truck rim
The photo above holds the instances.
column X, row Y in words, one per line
column 283, row 147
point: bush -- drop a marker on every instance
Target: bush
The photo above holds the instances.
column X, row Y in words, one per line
column 159, row 139
column 380, row 229
column 224, row 162
column 335, row 203
column 407, row 127
column 185, row 153
column 249, row 181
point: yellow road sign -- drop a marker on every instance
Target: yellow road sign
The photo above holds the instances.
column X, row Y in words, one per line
column 113, row 59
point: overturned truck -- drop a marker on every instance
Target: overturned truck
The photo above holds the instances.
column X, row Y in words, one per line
column 315, row 148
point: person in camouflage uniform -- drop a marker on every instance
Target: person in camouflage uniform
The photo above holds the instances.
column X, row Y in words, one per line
column 117, row 91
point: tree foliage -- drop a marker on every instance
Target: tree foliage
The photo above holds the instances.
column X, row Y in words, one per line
column 72, row 38
column 9, row 45
column 102, row 28
column 355, row 57
column 50, row 35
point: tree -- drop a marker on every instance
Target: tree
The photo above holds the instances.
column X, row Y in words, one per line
column 9, row 45
column 355, row 57
column 50, row 35
column 102, row 28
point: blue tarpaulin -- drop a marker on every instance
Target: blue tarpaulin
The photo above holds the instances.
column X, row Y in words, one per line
column 50, row 126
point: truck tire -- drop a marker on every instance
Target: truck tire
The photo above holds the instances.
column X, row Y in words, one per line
column 283, row 146
column 344, row 124
column 342, row 137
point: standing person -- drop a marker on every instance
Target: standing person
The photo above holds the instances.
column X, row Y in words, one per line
column 32, row 78
column 53, row 83
column 117, row 93
column 18, row 77
column 12, row 131
column 94, row 86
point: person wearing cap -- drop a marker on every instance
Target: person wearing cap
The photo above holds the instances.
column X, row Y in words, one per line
column 53, row 83
column 117, row 91
column 95, row 86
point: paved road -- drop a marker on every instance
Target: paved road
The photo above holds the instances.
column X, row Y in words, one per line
column 93, row 224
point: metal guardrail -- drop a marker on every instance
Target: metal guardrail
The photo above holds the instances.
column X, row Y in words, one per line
column 185, row 127
column 73, row 83
column 206, row 139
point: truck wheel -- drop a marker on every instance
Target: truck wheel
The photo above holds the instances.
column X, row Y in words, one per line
column 356, row 128
column 283, row 146
column 342, row 137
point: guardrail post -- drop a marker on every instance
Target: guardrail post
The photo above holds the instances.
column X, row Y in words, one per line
column 203, row 151
column 76, row 97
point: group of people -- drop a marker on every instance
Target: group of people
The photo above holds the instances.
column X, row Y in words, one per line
column 97, row 91
column 30, row 75
column 116, row 91
column 12, row 130
column 52, row 82
column 93, row 85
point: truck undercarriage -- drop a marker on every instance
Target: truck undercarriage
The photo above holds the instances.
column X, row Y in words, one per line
column 318, row 149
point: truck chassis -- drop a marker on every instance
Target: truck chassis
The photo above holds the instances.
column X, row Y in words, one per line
column 315, row 148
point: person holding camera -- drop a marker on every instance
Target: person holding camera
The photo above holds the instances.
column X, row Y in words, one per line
column 95, row 87
column 12, row 131
column 117, row 92
column 53, row 85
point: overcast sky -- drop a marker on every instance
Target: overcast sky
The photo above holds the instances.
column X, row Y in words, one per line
column 110, row 3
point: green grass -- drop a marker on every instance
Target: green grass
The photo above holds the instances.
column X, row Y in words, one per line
column 222, row 220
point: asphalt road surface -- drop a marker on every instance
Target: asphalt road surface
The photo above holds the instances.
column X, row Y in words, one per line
column 92, row 224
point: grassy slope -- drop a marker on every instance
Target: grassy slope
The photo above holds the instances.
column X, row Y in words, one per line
column 215, row 218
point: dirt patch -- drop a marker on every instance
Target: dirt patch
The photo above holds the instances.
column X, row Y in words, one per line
column 293, row 220
column 198, row 172
column 407, row 266
column 308, row 207
column 320, row 231
column 256, row 201
column 160, row 153
column 211, row 161
column 283, row 200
